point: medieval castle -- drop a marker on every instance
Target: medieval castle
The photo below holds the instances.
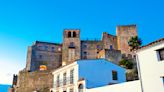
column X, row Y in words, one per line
column 50, row 56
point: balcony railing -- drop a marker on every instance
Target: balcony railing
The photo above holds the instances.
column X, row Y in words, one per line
column 61, row 83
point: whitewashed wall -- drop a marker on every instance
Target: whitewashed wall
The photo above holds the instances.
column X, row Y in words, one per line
column 151, row 69
column 133, row 86
column 61, row 71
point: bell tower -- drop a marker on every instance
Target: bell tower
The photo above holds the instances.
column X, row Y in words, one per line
column 71, row 46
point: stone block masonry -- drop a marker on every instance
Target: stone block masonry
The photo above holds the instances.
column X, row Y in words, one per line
column 34, row 81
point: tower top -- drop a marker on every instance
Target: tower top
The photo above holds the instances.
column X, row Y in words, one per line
column 71, row 33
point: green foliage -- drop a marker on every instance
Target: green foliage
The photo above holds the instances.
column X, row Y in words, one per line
column 135, row 42
column 126, row 63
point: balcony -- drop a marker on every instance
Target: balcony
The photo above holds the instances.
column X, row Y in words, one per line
column 62, row 83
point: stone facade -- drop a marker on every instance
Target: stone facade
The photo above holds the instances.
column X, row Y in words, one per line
column 90, row 49
column 33, row 81
column 111, row 55
column 71, row 46
column 54, row 55
column 124, row 33
column 44, row 53
column 109, row 41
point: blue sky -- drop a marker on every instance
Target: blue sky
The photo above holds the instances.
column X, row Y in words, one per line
column 25, row 21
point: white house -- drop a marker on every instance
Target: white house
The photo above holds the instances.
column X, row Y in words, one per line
column 87, row 74
column 151, row 66
column 133, row 86
column 150, row 62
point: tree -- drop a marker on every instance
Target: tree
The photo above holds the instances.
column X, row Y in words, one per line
column 135, row 42
column 126, row 63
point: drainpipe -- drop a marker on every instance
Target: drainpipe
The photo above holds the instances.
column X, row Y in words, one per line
column 139, row 72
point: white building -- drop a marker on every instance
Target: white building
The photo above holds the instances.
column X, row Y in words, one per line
column 86, row 74
column 151, row 66
column 150, row 61
column 133, row 86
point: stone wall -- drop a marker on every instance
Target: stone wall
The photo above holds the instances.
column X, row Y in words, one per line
column 111, row 55
column 109, row 41
column 43, row 53
column 31, row 81
column 28, row 59
column 90, row 49
column 124, row 33
column 71, row 43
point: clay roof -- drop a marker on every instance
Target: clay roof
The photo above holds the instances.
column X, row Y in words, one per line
column 151, row 44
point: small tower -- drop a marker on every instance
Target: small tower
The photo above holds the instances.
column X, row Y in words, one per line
column 71, row 46
column 110, row 41
column 124, row 33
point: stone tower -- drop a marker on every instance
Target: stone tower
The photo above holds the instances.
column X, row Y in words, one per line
column 124, row 33
column 109, row 41
column 71, row 46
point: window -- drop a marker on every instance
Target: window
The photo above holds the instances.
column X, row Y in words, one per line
column 111, row 47
column 74, row 34
column 40, row 56
column 114, row 75
column 72, row 76
column 163, row 79
column 40, row 47
column 98, row 47
column 81, row 88
column 64, row 78
column 58, row 81
column 161, row 54
column 85, row 55
column 69, row 34
column 84, row 46
column 71, row 90
column 53, row 49
column 46, row 47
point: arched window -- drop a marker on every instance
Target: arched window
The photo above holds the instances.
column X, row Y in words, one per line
column 80, row 88
column 69, row 34
column 74, row 34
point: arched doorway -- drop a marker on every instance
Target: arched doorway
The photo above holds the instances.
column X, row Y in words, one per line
column 80, row 88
